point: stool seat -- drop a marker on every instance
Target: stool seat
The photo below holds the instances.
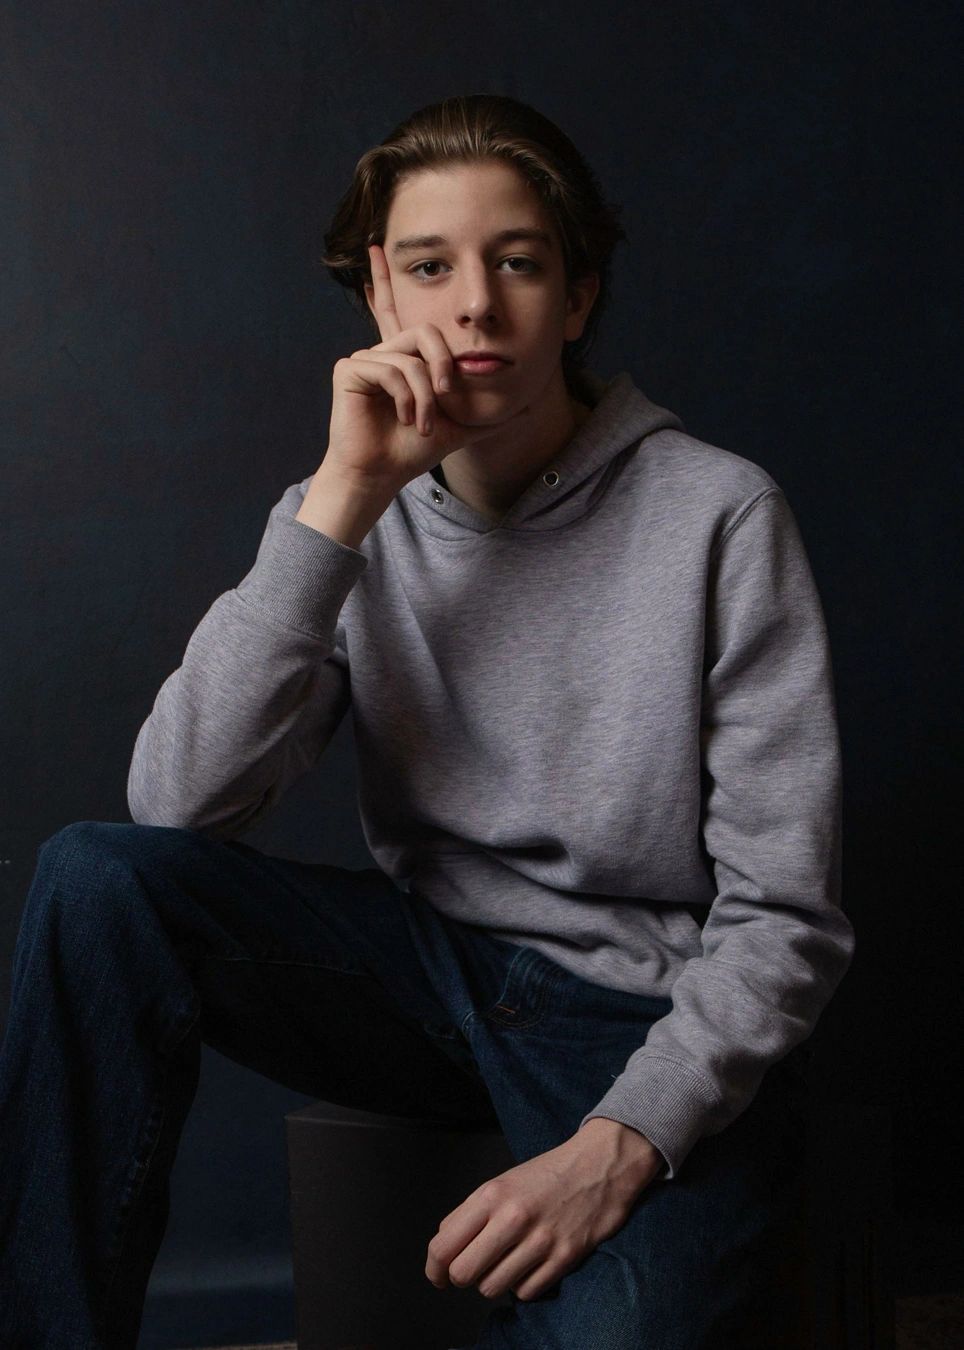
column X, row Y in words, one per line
column 368, row 1192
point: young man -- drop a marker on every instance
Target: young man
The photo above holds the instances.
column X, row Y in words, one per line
column 592, row 698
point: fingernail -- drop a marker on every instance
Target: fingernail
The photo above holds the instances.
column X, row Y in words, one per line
column 428, row 425
column 445, row 383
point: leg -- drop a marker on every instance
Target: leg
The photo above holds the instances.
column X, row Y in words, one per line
column 137, row 943
column 694, row 1266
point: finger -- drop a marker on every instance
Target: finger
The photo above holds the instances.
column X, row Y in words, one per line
column 364, row 374
column 383, row 299
column 523, row 1270
column 438, row 356
column 455, row 1232
column 416, row 373
column 538, row 1282
column 489, row 1247
column 482, row 1261
column 426, row 341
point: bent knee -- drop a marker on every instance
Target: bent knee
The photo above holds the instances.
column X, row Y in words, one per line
column 101, row 843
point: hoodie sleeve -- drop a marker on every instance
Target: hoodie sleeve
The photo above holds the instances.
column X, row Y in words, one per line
column 260, row 692
column 776, row 942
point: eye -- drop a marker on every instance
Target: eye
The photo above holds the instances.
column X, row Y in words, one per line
column 534, row 266
column 431, row 262
column 531, row 266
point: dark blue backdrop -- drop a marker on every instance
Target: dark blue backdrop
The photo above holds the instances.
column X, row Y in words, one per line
column 167, row 343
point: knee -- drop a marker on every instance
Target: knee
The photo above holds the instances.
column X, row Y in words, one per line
column 110, row 839
column 93, row 851
column 618, row 1300
column 633, row 1293
column 80, row 835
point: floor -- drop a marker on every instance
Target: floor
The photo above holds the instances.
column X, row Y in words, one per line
column 930, row 1322
column 926, row 1322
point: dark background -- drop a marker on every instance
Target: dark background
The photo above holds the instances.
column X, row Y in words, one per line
column 167, row 338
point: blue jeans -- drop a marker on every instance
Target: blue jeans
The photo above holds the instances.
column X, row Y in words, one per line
column 139, row 942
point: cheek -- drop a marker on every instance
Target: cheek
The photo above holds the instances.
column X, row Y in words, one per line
column 409, row 301
column 543, row 315
column 414, row 309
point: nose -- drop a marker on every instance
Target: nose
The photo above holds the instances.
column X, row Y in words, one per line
column 477, row 299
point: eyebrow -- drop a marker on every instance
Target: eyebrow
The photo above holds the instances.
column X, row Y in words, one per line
column 412, row 242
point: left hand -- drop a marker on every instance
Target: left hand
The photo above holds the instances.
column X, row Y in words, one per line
column 526, row 1228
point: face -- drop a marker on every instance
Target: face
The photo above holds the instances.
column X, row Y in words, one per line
column 506, row 295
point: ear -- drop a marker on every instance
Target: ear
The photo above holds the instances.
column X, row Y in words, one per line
column 580, row 300
column 370, row 296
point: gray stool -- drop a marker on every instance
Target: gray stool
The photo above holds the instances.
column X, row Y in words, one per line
column 368, row 1192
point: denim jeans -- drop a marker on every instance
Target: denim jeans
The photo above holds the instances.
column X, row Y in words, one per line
column 139, row 942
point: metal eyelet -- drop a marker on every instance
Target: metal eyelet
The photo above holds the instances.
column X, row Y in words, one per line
column 437, row 495
column 550, row 478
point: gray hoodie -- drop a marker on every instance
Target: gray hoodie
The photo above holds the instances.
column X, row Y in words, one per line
column 604, row 728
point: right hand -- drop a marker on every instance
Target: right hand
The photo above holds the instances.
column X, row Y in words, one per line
column 382, row 396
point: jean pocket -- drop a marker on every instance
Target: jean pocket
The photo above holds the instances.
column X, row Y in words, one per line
column 524, row 997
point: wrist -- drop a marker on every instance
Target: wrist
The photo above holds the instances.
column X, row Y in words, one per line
column 629, row 1153
column 334, row 476
column 342, row 509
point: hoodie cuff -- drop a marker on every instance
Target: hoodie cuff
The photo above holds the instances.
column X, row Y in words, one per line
column 302, row 577
column 667, row 1102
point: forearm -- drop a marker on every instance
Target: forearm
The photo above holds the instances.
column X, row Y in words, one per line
column 260, row 689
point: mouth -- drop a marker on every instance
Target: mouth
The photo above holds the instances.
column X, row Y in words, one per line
column 480, row 365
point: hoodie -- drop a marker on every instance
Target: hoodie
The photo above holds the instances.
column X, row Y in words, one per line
column 604, row 727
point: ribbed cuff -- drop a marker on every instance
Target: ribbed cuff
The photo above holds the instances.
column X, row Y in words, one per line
column 665, row 1101
column 302, row 577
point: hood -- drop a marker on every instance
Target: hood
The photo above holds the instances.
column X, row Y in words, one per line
column 621, row 417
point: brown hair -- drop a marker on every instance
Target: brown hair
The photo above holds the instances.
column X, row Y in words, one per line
column 473, row 127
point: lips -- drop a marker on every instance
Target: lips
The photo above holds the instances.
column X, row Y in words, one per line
column 481, row 364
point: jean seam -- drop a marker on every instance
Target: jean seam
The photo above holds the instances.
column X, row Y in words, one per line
column 135, row 1186
column 149, row 1141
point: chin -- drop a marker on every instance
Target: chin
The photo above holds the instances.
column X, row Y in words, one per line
column 486, row 404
